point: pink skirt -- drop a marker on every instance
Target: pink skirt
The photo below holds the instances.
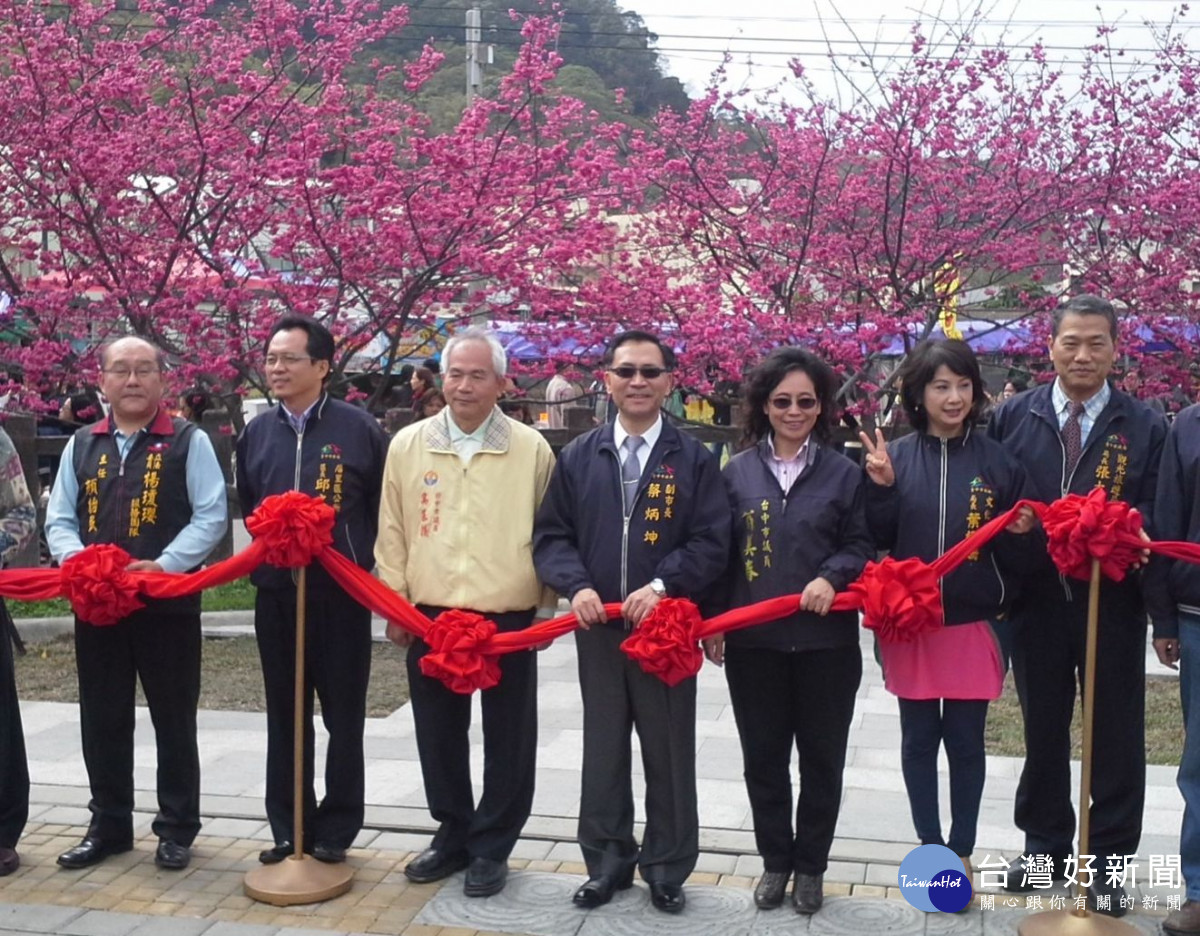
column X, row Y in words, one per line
column 957, row 662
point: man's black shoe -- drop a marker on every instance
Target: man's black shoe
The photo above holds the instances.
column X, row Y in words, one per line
column 91, row 851
column 433, row 865
column 1101, row 888
column 9, row 860
column 597, row 891
column 668, row 898
column 808, row 893
column 330, row 854
column 485, row 876
column 171, row 856
column 1021, row 878
column 771, row 889
column 276, row 853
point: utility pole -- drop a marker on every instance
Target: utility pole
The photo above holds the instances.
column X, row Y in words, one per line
column 474, row 68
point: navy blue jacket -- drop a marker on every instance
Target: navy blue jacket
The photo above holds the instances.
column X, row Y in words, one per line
column 339, row 459
column 678, row 530
column 784, row 540
column 1173, row 585
column 1122, row 455
column 945, row 489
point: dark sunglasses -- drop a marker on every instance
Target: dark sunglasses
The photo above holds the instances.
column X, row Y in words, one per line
column 785, row 402
column 629, row 371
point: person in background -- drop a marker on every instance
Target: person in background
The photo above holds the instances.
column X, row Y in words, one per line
column 798, row 528
column 928, row 491
column 635, row 512
column 423, row 382
column 81, row 409
column 432, row 404
column 194, row 403
column 1012, row 387
column 151, row 485
column 560, row 391
column 18, row 523
column 333, row 450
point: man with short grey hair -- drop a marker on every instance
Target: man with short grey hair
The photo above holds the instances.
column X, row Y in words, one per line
column 460, row 493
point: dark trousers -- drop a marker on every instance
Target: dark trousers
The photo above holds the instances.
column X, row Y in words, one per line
column 618, row 697
column 442, row 717
column 163, row 651
column 337, row 666
column 1048, row 660
column 806, row 699
column 14, row 769
column 925, row 725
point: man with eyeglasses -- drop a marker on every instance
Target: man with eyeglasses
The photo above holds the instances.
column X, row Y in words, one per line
column 455, row 524
column 635, row 511
column 313, row 443
column 150, row 484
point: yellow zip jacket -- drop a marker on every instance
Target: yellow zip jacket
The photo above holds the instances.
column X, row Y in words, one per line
column 461, row 536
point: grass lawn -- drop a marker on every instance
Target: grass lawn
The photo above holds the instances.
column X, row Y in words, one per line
column 236, row 596
column 231, row 678
column 1164, row 723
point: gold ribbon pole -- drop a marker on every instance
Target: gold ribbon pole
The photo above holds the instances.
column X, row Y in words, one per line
column 298, row 879
column 1082, row 921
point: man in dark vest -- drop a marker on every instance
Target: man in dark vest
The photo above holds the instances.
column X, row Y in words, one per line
column 151, row 485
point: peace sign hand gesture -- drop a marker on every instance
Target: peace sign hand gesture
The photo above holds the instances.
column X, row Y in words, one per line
column 878, row 464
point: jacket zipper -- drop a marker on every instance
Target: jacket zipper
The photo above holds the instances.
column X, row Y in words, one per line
column 942, row 502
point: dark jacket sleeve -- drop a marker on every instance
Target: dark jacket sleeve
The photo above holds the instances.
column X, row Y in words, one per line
column 555, row 539
column 856, row 546
column 881, row 511
column 379, row 448
column 1016, row 553
column 1171, row 512
column 1154, row 454
column 245, row 488
column 692, row 569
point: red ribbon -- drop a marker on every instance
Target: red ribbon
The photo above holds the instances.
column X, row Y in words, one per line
column 901, row 599
column 1080, row 529
column 455, row 656
column 101, row 592
column 293, row 528
column 665, row 642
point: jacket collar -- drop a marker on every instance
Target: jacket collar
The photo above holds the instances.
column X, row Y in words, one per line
column 161, row 424
column 318, row 408
column 957, row 442
column 496, row 437
column 668, row 440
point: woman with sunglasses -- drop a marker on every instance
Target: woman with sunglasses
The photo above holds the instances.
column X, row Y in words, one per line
column 927, row 491
column 799, row 528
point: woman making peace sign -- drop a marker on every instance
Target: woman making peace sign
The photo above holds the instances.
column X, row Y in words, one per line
column 927, row 492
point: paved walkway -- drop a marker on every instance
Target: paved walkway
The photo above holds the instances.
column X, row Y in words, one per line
column 127, row 894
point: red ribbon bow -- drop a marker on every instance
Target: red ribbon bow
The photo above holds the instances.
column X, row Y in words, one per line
column 293, row 528
column 664, row 644
column 454, row 638
column 1080, row 529
column 96, row 584
column 900, row 598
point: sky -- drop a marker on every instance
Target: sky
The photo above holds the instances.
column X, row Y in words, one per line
column 763, row 35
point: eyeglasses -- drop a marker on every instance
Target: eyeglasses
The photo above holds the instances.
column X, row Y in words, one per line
column 287, row 360
column 805, row 403
column 122, row 373
column 629, row 371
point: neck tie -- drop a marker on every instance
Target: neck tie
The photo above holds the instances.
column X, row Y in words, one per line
column 1072, row 433
column 631, row 472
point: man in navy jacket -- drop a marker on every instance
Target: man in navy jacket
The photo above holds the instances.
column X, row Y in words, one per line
column 635, row 511
column 1072, row 436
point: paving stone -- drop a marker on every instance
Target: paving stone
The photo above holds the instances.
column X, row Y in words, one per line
column 172, row 926
column 845, row 915
column 99, row 923
column 37, row 919
column 533, row 902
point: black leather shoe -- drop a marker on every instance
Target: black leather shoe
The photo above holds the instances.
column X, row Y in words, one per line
column 598, row 891
column 171, row 856
column 91, row 851
column 485, row 876
column 1018, row 881
column 276, row 853
column 808, row 893
column 1101, row 889
column 771, row 888
column 433, row 865
column 668, row 898
column 9, row 861
column 330, row 854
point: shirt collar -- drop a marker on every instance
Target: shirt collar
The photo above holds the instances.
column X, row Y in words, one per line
column 1093, row 407
column 801, row 456
column 650, row 436
column 299, row 420
column 456, row 433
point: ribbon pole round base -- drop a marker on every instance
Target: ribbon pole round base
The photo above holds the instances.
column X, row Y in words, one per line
column 300, row 880
column 1074, row 923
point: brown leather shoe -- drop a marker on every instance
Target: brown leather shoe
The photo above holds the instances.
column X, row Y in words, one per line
column 1185, row 921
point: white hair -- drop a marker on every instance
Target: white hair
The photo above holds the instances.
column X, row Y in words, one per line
column 488, row 337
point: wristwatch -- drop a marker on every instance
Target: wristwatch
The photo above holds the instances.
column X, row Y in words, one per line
column 657, row 586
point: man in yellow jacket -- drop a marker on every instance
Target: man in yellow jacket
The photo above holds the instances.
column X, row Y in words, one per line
column 460, row 492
